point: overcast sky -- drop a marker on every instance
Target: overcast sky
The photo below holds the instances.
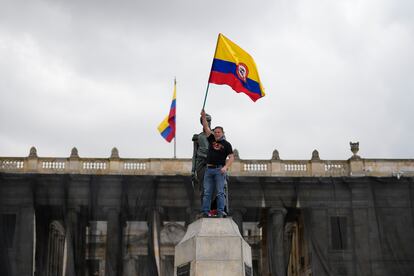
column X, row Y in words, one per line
column 99, row 74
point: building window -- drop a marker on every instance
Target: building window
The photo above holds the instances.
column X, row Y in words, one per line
column 339, row 233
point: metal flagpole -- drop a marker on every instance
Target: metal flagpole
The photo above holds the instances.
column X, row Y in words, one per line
column 175, row 156
column 175, row 134
column 208, row 82
column 205, row 97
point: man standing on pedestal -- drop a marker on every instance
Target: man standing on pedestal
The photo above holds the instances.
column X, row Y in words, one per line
column 219, row 159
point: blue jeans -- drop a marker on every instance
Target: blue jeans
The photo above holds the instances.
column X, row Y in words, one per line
column 213, row 179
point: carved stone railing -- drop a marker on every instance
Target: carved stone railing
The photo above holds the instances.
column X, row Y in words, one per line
column 355, row 166
column 291, row 167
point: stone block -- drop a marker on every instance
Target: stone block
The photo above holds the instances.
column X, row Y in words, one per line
column 213, row 247
column 214, row 268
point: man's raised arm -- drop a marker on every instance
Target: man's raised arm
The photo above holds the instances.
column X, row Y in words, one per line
column 206, row 128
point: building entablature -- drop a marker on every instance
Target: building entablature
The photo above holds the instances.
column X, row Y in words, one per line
column 114, row 165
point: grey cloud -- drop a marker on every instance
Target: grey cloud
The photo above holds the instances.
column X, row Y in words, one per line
column 98, row 74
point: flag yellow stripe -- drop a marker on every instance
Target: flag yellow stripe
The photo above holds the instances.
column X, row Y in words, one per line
column 163, row 125
column 230, row 51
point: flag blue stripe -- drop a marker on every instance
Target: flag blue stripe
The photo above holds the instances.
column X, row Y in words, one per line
column 166, row 132
column 227, row 67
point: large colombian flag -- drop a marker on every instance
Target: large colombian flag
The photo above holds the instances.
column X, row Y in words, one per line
column 167, row 126
column 235, row 67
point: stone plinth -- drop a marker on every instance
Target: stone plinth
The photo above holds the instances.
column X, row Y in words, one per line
column 213, row 246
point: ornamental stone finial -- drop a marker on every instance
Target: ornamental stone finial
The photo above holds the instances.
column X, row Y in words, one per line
column 74, row 153
column 33, row 152
column 275, row 155
column 114, row 153
column 315, row 155
column 354, row 149
column 236, row 154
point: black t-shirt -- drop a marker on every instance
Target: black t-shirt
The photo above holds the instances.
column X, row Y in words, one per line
column 218, row 151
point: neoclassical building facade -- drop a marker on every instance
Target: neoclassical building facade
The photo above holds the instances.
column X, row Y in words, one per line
column 118, row 216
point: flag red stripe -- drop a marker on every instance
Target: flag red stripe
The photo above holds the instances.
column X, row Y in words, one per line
column 233, row 82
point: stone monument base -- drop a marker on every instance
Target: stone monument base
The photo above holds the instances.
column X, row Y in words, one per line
column 213, row 247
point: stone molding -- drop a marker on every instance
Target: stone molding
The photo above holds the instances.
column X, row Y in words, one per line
column 115, row 165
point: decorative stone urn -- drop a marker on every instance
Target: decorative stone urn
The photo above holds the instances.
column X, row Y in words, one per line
column 354, row 149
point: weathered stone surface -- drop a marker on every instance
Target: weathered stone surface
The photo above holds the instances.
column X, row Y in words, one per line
column 213, row 247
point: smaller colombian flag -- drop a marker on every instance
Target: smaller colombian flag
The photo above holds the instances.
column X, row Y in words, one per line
column 235, row 67
column 167, row 126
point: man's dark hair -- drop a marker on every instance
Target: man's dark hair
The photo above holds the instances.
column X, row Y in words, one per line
column 222, row 129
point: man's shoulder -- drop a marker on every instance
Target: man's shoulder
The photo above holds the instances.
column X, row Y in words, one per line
column 226, row 142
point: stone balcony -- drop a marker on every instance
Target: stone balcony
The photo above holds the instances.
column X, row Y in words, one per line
column 355, row 166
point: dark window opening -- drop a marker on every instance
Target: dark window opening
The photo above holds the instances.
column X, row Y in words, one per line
column 184, row 270
column 93, row 267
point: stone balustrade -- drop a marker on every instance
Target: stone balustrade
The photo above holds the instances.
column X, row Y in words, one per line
column 114, row 165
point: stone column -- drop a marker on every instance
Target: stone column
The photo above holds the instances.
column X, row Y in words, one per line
column 53, row 252
column 154, row 239
column 25, row 231
column 287, row 242
column 71, row 235
column 237, row 216
column 264, row 246
column 276, row 225
column 61, row 253
column 113, row 243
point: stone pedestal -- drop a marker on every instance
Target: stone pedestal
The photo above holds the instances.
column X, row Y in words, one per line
column 213, row 246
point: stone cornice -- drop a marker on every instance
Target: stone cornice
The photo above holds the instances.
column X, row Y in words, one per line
column 241, row 167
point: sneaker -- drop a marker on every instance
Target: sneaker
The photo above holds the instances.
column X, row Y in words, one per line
column 205, row 215
column 220, row 215
column 213, row 213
